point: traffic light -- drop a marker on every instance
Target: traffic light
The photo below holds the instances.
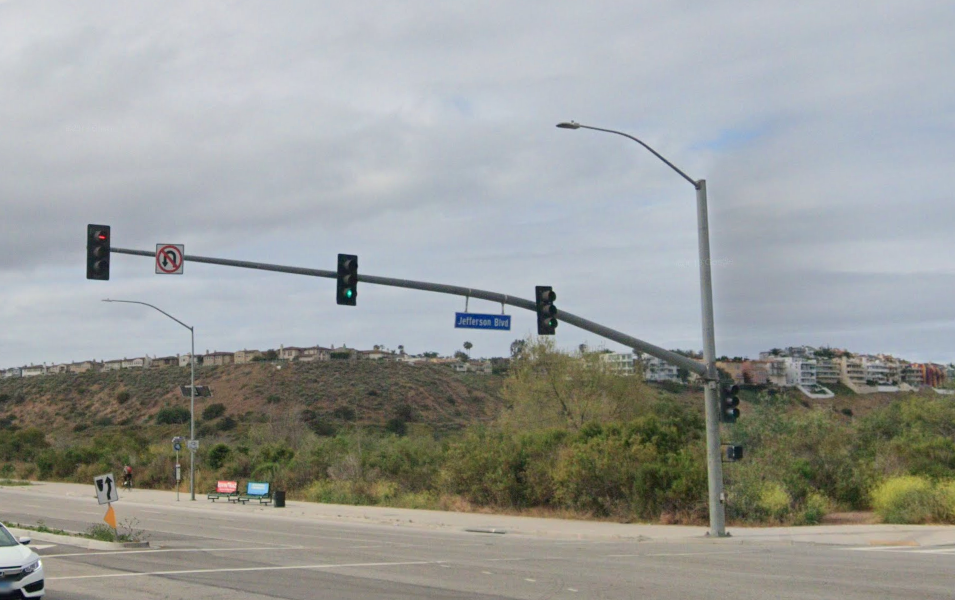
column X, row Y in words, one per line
column 734, row 453
column 546, row 311
column 97, row 252
column 729, row 400
column 347, row 279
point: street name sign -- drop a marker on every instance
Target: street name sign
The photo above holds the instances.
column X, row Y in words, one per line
column 479, row 321
column 169, row 259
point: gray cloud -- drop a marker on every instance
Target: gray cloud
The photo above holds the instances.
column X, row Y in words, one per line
column 422, row 137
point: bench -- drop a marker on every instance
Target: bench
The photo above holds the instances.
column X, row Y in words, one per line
column 256, row 490
column 224, row 489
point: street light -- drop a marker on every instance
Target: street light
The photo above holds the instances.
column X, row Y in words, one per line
column 713, row 456
column 192, row 394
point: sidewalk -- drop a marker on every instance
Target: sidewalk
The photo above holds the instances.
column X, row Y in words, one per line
column 852, row 535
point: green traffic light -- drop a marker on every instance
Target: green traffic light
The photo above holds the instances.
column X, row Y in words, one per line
column 349, row 293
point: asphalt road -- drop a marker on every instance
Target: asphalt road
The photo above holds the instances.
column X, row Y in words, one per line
column 216, row 551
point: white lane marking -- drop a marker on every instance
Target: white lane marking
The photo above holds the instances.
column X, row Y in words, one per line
column 531, row 580
column 679, row 554
column 159, row 550
column 41, row 546
column 251, row 569
column 571, row 589
column 487, row 572
column 880, row 549
column 935, row 551
column 153, row 512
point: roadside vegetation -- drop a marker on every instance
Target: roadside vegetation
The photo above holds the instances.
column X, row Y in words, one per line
column 569, row 438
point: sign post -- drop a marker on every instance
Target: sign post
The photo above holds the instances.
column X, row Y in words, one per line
column 177, row 446
column 106, row 493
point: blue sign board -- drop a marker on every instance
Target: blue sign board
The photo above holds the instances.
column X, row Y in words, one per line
column 476, row 321
column 256, row 488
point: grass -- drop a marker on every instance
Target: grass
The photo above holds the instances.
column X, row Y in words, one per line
column 99, row 531
column 12, row 482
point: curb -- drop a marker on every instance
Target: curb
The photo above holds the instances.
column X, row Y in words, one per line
column 76, row 541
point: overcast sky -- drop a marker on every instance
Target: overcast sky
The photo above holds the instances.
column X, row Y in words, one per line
column 421, row 137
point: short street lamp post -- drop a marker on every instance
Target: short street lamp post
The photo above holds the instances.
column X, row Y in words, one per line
column 710, row 395
column 192, row 395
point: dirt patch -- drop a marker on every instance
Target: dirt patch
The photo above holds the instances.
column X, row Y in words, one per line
column 851, row 518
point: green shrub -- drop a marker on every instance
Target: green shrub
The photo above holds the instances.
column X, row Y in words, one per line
column 226, row 423
column 813, row 510
column 774, row 501
column 213, row 411
column 397, row 426
column 218, row 454
column 173, row 415
column 122, row 397
column 945, row 501
column 908, row 499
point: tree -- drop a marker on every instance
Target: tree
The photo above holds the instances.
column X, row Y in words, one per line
column 401, row 349
column 468, row 346
column 550, row 388
column 517, row 348
column 461, row 356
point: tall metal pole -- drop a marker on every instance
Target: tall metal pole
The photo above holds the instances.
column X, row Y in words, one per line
column 714, row 465
column 192, row 395
column 192, row 418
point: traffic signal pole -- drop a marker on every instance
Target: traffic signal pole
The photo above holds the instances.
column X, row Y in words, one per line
column 714, row 462
column 564, row 317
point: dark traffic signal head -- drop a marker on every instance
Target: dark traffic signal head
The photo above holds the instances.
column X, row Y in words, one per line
column 734, row 453
column 347, row 280
column 729, row 401
column 546, row 311
column 97, row 252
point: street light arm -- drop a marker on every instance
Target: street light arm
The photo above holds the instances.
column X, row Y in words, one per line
column 153, row 307
column 573, row 125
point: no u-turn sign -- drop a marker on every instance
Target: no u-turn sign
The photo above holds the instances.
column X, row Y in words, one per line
column 169, row 258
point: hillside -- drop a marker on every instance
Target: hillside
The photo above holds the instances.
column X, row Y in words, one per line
column 367, row 392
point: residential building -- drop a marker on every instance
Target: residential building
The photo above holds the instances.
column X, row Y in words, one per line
column 756, row 372
column 12, row 372
column 33, row 371
column 734, row 369
column 243, row 357
column 315, row 353
column 217, row 359
column 878, row 371
column 290, row 353
column 913, row 375
column 113, row 365
column 372, row 354
column 800, row 371
column 166, row 361
column 184, row 360
column 658, row 370
column 137, row 363
column 620, row 363
column 851, row 371
column 827, row 370
column 776, row 371
column 60, row 368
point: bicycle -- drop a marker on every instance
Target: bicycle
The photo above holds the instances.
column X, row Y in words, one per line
column 127, row 483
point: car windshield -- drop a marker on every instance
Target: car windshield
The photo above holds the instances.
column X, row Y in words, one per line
column 6, row 538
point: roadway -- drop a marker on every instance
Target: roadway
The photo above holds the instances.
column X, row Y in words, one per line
column 201, row 550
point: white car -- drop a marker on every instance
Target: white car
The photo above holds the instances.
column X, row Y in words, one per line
column 21, row 571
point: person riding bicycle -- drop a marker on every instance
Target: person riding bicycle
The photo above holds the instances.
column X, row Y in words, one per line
column 128, row 477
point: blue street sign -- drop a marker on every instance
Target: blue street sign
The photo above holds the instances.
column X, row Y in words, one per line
column 476, row 321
